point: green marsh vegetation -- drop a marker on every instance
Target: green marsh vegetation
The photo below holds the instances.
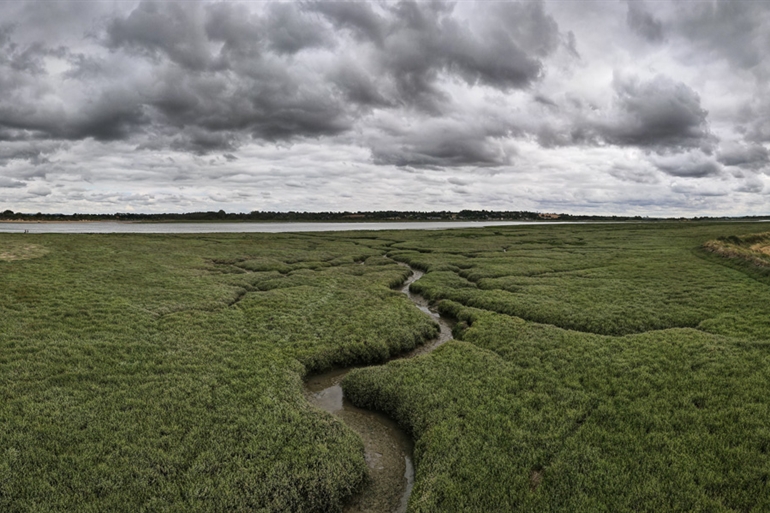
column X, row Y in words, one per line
column 597, row 368
column 612, row 367
column 163, row 373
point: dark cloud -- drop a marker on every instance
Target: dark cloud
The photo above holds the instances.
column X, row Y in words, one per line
column 660, row 113
column 359, row 86
column 744, row 156
column 220, row 74
column 643, row 23
column 754, row 118
column 290, row 30
column 108, row 117
column 357, row 17
column 443, row 143
column 35, row 153
column 501, row 48
column 201, row 142
column 236, row 28
column 172, row 29
column 692, row 164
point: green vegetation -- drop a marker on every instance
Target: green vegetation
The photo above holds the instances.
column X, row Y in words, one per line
column 163, row 373
column 600, row 368
column 606, row 367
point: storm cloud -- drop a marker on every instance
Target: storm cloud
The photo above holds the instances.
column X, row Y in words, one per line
column 658, row 113
column 354, row 101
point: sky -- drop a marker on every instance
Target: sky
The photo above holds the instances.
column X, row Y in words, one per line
column 610, row 107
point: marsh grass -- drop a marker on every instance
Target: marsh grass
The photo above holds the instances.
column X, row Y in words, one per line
column 600, row 368
column 163, row 373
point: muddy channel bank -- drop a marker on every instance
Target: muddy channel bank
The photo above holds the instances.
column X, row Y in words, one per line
column 388, row 450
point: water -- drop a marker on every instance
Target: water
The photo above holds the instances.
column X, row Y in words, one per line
column 388, row 450
column 244, row 227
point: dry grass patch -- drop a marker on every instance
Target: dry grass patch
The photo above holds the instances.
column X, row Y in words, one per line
column 753, row 248
column 18, row 251
column 761, row 248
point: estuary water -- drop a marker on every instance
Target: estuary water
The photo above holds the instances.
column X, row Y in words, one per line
column 239, row 227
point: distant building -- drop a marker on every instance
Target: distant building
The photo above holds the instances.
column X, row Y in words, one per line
column 548, row 216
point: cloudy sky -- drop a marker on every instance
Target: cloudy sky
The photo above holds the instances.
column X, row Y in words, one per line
column 616, row 107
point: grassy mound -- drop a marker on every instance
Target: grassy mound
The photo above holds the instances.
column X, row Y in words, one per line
column 749, row 251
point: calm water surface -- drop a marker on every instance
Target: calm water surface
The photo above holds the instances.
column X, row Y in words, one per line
column 129, row 227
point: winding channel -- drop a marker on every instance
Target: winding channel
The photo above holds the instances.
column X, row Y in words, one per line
column 388, row 450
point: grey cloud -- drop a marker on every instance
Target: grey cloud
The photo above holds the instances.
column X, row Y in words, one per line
column 10, row 183
column 544, row 100
column 692, row 190
column 35, row 152
column 290, row 30
column 171, row 28
column 358, row 17
column 200, row 141
column 236, row 27
column 107, row 118
column 27, row 111
column 736, row 31
column 444, row 143
column 643, row 23
column 501, row 46
column 236, row 90
column 755, row 119
column 659, row 114
column 692, row 164
column 425, row 39
column 39, row 189
column 751, row 186
column 627, row 173
column 359, row 86
column 211, row 76
column 745, row 156
column 571, row 44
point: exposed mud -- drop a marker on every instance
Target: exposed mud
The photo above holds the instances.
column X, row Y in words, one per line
column 388, row 450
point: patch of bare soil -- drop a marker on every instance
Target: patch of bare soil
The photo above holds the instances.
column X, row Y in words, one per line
column 535, row 478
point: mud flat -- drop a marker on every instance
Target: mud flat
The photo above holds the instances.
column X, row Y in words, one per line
column 388, row 450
